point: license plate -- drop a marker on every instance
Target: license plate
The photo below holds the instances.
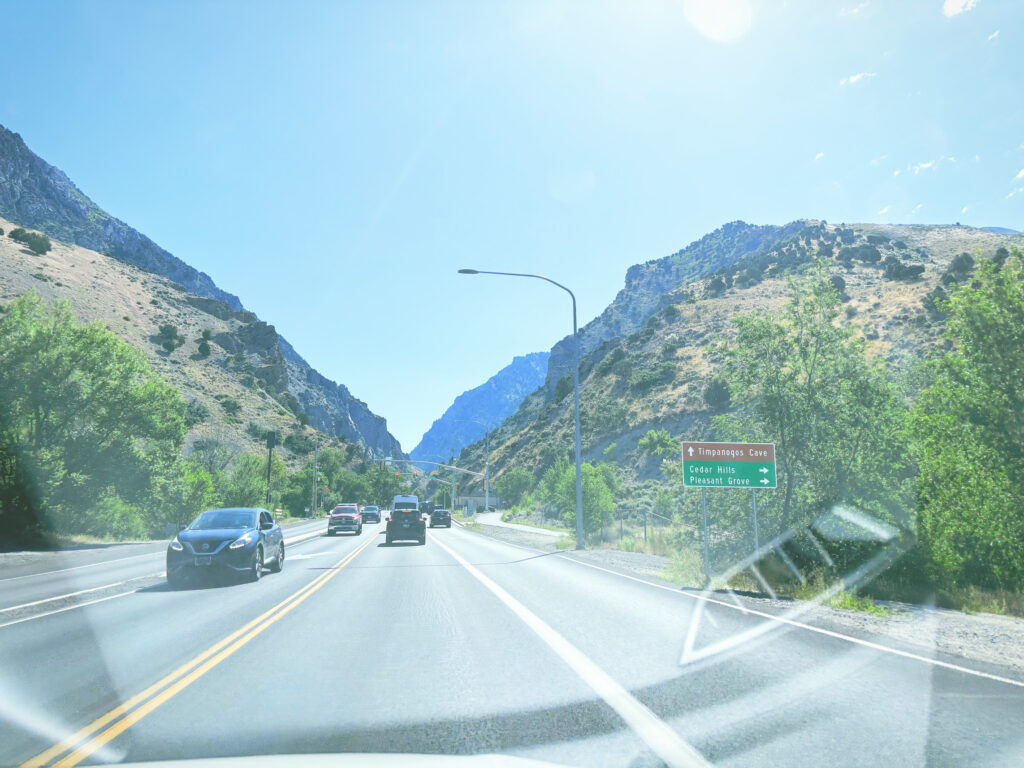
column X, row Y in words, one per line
column 205, row 560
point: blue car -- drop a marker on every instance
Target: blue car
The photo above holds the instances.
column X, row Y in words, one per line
column 239, row 541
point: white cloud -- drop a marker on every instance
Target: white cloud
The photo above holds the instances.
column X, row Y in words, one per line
column 819, row 156
column 896, row 173
column 1013, row 192
column 884, row 210
column 917, row 208
column 877, row 161
column 964, row 209
column 721, row 20
column 953, row 7
column 1020, row 174
column 857, row 77
column 923, row 166
column 994, row 35
column 855, row 10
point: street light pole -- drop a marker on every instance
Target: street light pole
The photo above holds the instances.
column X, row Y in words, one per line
column 576, row 388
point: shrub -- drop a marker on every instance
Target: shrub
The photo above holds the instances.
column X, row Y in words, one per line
column 206, row 335
column 647, row 379
column 716, row 394
column 35, row 242
column 169, row 346
column 671, row 313
column 230, row 406
column 563, row 388
column 196, row 413
column 204, row 348
column 298, row 443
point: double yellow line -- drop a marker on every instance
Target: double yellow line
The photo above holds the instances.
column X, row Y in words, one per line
column 122, row 717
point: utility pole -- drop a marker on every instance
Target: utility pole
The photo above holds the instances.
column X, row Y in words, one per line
column 316, row 476
column 271, row 440
column 487, row 472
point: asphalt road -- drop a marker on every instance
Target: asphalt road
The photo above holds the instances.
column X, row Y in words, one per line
column 466, row 646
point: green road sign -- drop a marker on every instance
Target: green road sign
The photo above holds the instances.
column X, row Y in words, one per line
column 729, row 465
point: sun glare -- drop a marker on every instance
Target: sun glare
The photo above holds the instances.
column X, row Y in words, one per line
column 721, row 20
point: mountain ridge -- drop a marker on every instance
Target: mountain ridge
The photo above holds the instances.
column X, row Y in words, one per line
column 39, row 196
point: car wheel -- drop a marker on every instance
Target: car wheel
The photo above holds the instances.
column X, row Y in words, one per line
column 423, row 539
column 175, row 579
column 256, row 570
column 387, row 540
column 360, row 531
column 449, row 525
column 279, row 560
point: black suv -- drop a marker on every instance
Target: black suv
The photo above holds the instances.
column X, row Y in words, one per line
column 405, row 522
column 441, row 517
column 371, row 514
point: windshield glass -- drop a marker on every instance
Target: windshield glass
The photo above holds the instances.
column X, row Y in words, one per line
column 224, row 518
column 670, row 354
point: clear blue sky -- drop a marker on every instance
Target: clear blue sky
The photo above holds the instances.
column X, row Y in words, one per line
column 334, row 163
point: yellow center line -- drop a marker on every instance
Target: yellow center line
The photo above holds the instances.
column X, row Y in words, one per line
column 218, row 651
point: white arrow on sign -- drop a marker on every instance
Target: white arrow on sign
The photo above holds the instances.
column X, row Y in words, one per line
column 764, row 481
column 691, row 450
column 763, row 470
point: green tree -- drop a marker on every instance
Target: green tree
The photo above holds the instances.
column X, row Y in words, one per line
column 82, row 417
column 658, row 442
column 513, row 484
column 804, row 382
column 967, row 436
column 558, row 489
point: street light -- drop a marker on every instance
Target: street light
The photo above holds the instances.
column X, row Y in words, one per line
column 576, row 388
column 487, row 461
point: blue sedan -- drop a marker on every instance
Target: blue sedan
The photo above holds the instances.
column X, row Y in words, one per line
column 239, row 540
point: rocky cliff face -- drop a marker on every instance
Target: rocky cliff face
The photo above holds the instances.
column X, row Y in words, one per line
column 492, row 402
column 647, row 283
column 35, row 195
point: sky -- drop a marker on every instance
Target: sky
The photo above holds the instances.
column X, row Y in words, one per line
column 335, row 163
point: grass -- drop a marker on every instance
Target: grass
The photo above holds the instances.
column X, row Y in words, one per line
column 844, row 599
column 684, row 569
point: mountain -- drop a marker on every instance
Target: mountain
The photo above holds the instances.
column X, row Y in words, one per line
column 1002, row 230
column 651, row 370
column 492, row 402
column 646, row 283
column 35, row 195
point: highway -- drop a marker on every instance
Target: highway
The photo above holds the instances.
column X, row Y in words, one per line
column 464, row 646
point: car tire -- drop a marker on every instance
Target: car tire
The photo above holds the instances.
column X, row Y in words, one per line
column 279, row 560
column 330, row 532
column 423, row 539
column 175, row 579
column 360, row 531
column 387, row 540
column 256, row 568
column 449, row 525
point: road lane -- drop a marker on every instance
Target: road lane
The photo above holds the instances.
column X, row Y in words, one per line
column 405, row 650
column 61, row 671
column 56, row 575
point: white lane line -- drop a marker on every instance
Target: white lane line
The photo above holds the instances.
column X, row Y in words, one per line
column 808, row 627
column 655, row 732
column 567, row 556
column 293, row 540
column 80, row 592
column 68, row 608
column 78, row 567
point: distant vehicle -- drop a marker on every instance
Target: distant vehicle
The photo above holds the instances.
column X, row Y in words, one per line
column 238, row 540
column 441, row 517
column 345, row 517
column 371, row 514
column 405, row 522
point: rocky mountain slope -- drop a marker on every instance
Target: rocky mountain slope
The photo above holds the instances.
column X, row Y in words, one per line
column 238, row 376
column 654, row 372
column 35, row 195
column 492, row 402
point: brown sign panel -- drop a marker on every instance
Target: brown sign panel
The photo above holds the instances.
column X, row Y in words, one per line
column 753, row 452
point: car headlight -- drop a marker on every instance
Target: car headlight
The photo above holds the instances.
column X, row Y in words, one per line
column 243, row 540
column 176, row 545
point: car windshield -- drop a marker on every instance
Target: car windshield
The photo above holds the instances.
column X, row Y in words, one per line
column 708, row 447
column 224, row 518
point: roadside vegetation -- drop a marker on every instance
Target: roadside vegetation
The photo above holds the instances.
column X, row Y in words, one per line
column 929, row 456
column 91, row 441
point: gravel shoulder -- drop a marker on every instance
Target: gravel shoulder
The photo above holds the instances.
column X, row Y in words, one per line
column 983, row 638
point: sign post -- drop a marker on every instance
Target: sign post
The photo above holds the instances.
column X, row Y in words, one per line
column 727, row 465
